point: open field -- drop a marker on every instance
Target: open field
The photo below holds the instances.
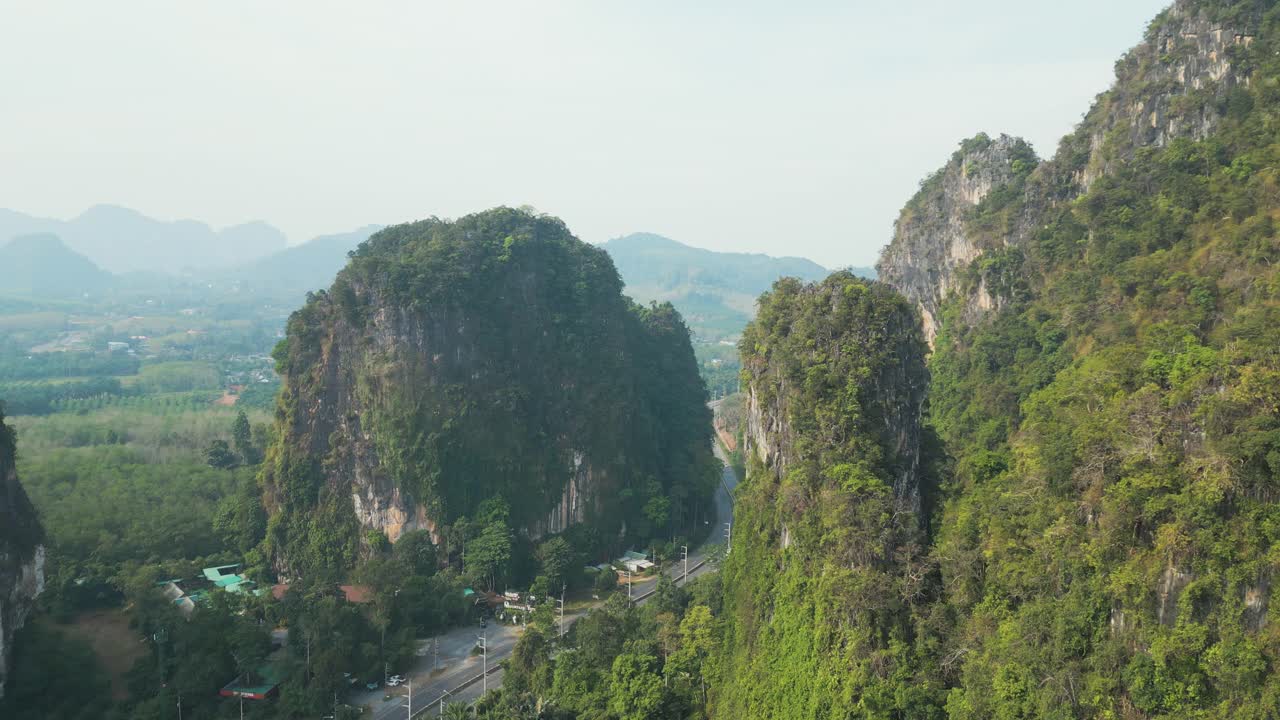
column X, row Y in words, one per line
column 114, row 643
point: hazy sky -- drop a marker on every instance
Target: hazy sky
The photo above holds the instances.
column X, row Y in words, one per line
column 780, row 127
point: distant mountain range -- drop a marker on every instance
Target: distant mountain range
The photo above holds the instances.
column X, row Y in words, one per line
column 115, row 249
column 715, row 291
column 42, row 265
column 301, row 268
column 121, row 240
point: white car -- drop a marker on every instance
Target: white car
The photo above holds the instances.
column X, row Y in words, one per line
column 396, row 680
column 393, row 683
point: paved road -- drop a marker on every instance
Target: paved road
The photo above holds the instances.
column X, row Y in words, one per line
column 457, row 667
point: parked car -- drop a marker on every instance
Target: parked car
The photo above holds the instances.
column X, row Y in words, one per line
column 397, row 679
column 372, row 685
column 484, row 623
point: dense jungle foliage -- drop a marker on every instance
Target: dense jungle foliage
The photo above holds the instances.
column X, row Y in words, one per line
column 819, row 615
column 1105, row 538
column 1108, row 542
column 620, row 662
column 491, row 357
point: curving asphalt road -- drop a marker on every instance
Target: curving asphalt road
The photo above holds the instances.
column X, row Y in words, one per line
column 459, row 677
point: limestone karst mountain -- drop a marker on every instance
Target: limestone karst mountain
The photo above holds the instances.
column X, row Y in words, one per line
column 495, row 356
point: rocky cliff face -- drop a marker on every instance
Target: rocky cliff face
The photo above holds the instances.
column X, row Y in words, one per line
column 454, row 362
column 993, row 194
column 21, row 552
column 1175, row 84
column 932, row 242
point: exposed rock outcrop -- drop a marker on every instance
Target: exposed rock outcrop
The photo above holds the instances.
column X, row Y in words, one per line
column 1177, row 83
column 1172, row 85
column 21, row 552
column 932, row 242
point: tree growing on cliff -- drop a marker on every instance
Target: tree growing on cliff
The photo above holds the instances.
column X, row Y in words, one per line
column 218, row 455
column 242, row 436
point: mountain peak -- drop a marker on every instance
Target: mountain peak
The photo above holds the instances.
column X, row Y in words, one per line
column 108, row 211
column 645, row 240
column 42, row 264
column 36, row 241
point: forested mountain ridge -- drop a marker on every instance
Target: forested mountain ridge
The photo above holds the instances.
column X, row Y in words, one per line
column 1103, row 382
column 715, row 291
column 21, row 550
column 453, row 364
column 1101, row 540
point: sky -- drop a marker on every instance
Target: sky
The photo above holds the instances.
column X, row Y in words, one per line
column 788, row 128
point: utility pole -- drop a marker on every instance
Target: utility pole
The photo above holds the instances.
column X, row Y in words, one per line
column 728, row 538
column 435, row 663
column 484, row 655
column 160, row 637
column 562, row 587
column 442, row 697
column 628, row 586
column 410, row 696
column 179, row 706
column 684, row 549
column 241, row 707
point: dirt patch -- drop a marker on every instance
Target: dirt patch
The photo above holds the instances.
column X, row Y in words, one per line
column 727, row 439
column 227, row 400
column 116, row 645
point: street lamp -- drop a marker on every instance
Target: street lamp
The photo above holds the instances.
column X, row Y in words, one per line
column 484, row 668
column 442, row 697
column 684, row 549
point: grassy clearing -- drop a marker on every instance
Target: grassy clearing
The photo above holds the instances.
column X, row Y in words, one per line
column 115, row 644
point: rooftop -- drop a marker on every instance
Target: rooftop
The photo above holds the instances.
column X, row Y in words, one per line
column 265, row 680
